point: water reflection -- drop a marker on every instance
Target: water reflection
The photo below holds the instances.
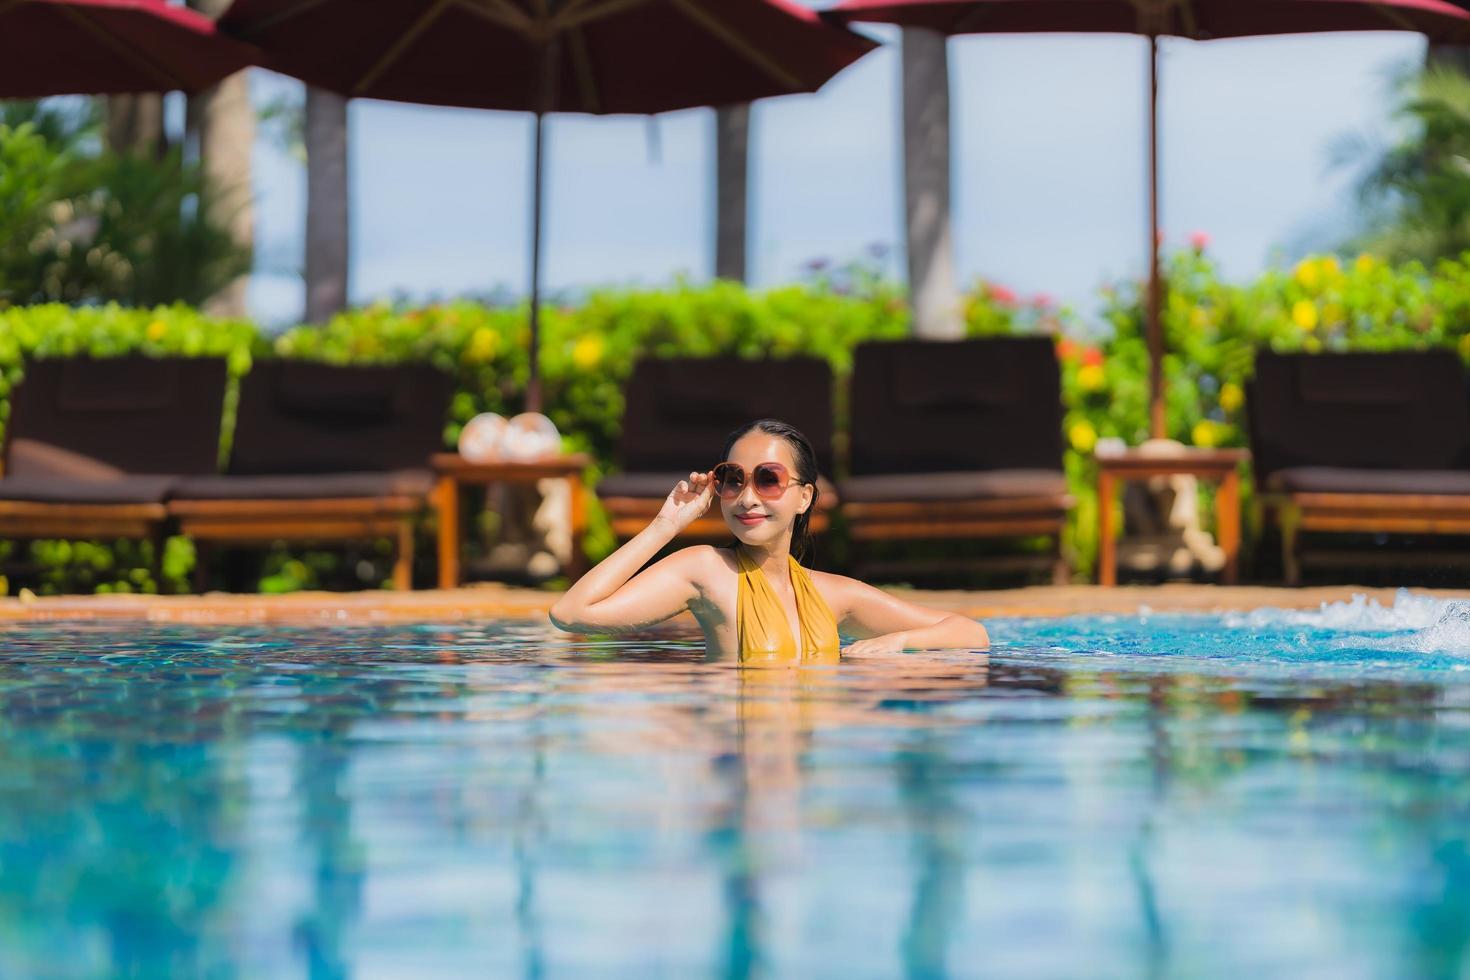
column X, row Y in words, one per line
column 490, row 801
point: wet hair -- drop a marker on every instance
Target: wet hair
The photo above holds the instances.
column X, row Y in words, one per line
column 806, row 472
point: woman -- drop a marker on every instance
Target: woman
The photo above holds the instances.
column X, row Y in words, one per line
column 754, row 601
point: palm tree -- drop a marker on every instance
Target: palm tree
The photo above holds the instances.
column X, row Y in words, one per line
column 732, row 155
column 134, row 124
column 1418, row 191
column 926, row 178
column 225, row 121
column 327, row 208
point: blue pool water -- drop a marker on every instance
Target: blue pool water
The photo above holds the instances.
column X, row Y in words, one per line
column 1284, row 793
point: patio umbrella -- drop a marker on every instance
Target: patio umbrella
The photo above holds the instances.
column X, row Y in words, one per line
column 93, row 47
column 1198, row 20
column 541, row 56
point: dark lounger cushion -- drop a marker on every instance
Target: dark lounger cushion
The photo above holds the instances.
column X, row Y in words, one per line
column 64, row 490
column 303, row 417
column 31, row 458
column 1401, row 410
column 959, row 406
column 1331, row 479
column 980, row 485
column 679, row 411
column 134, row 414
column 413, row 483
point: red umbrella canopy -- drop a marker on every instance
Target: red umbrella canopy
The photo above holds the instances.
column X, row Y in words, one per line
column 598, row 56
column 1198, row 19
column 90, row 47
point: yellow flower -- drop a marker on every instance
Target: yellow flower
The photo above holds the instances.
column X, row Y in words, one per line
column 484, row 343
column 1091, row 377
column 587, row 353
column 1364, row 264
column 1205, row 434
column 1329, row 267
column 1333, row 313
column 1083, row 436
column 1231, row 397
column 1307, row 274
column 1304, row 314
column 1465, row 344
column 157, row 330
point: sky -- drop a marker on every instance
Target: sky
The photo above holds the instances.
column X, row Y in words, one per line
column 1048, row 155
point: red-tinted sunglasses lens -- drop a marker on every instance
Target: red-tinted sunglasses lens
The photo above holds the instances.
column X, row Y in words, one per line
column 769, row 480
column 729, row 480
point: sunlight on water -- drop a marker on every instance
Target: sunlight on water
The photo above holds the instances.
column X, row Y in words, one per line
column 1279, row 792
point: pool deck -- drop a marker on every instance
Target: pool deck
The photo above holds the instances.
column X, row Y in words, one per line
column 502, row 602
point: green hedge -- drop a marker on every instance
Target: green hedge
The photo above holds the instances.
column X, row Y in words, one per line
column 1212, row 327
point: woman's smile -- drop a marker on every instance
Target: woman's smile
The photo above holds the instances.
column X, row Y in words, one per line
column 750, row 519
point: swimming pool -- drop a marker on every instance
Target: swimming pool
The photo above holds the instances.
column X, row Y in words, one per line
column 1281, row 792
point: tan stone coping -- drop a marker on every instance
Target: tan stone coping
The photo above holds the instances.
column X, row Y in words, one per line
column 501, row 602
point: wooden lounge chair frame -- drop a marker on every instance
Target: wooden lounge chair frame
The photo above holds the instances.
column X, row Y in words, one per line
column 254, row 521
column 1437, row 381
column 1039, row 515
column 32, row 520
column 1373, row 513
column 970, row 519
column 65, row 520
column 234, row 523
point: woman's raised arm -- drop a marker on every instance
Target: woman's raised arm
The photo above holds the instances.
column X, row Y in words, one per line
column 616, row 596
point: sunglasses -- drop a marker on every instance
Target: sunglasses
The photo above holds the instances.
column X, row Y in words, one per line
column 770, row 480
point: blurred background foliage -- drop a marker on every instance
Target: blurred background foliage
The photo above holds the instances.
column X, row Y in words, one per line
column 1213, row 329
column 80, row 224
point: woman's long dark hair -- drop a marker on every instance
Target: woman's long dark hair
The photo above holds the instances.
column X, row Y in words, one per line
column 806, row 472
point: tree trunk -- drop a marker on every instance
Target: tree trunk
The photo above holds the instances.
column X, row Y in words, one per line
column 327, row 210
column 1448, row 56
column 226, row 125
column 732, row 155
column 135, row 124
column 926, row 175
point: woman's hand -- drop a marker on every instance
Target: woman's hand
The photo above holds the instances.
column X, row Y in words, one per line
column 878, row 646
column 689, row 500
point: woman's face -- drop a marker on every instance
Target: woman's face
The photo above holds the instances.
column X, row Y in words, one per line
column 758, row 520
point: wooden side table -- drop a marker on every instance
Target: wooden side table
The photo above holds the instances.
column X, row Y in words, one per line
column 1219, row 465
column 454, row 471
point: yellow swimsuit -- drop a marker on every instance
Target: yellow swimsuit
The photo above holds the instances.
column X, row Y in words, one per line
column 761, row 625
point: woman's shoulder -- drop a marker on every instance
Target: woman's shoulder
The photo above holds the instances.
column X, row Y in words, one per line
column 838, row 590
column 700, row 559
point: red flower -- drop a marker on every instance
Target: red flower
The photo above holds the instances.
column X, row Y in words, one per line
column 1000, row 293
column 1042, row 301
column 1092, row 357
column 1067, row 348
column 1199, row 241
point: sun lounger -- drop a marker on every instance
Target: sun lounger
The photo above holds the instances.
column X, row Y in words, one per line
column 1373, row 443
column 958, row 439
column 323, row 453
column 94, row 447
column 678, row 414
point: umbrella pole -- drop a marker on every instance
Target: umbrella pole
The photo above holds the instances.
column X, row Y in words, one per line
column 533, row 387
column 1158, row 423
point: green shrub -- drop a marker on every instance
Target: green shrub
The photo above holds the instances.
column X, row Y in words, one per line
column 82, row 225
